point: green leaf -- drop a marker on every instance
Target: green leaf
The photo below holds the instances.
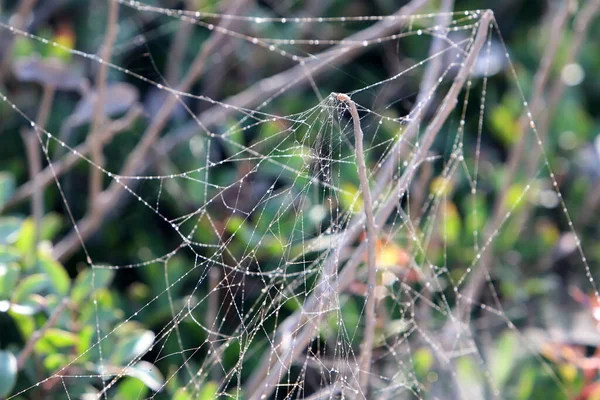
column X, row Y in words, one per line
column 423, row 361
column 504, row 358
column 136, row 345
column 56, row 272
column 8, row 372
column 451, row 226
column 33, row 284
column 466, row 370
column 182, row 394
column 526, row 383
column 130, row 388
column 515, row 196
column 477, row 215
column 56, row 339
column 9, row 276
column 7, row 187
column 52, row 362
column 351, row 198
column 209, row 391
column 51, row 225
column 24, row 322
column 504, row 125
column 26, row 239
column 83, row 286
column 86, row 336
column 147, row 373
column 9, row 228
column 8, row 254
column 23, row 47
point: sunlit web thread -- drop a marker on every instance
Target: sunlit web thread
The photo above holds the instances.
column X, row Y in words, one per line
column 141, row 6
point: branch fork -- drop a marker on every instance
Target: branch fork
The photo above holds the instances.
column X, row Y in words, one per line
column 366, row 348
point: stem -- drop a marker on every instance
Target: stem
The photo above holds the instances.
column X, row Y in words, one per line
column 177, row 49
column 18, row 21
column 96, row 175
column 34, row 161
column 366, row 347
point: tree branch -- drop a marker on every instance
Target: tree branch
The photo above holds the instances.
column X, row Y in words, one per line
column 19, row 22
column 96, row 175
column 110, row 197
column 61, row 167
column 366, row 348
column 34, row 161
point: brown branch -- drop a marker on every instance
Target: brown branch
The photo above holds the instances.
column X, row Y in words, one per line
column 46, row 177
column 265, row 379
column 366, row 348
column 96, row 174
column 431, row 75
column 110, row 197
column 178, row 46
column 19, row 22
column 34, row 161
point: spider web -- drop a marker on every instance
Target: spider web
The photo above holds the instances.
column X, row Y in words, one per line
column 266, row 257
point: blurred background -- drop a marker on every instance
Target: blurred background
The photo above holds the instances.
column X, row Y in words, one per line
column 540, row 341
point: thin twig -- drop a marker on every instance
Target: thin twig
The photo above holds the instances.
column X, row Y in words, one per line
column 62, row 166
column 177, row 48
column 110, row 197
column 96, row 175
column 19, row 21
column 37, row 335
column 366, row 348
column 34, row 161
column 214, row 278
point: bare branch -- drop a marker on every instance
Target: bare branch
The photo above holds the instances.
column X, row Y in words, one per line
column 177, row 49
column 19, row 22
column 366, row 350
column 34, row 161
column 61, row 167
column 96, row 175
